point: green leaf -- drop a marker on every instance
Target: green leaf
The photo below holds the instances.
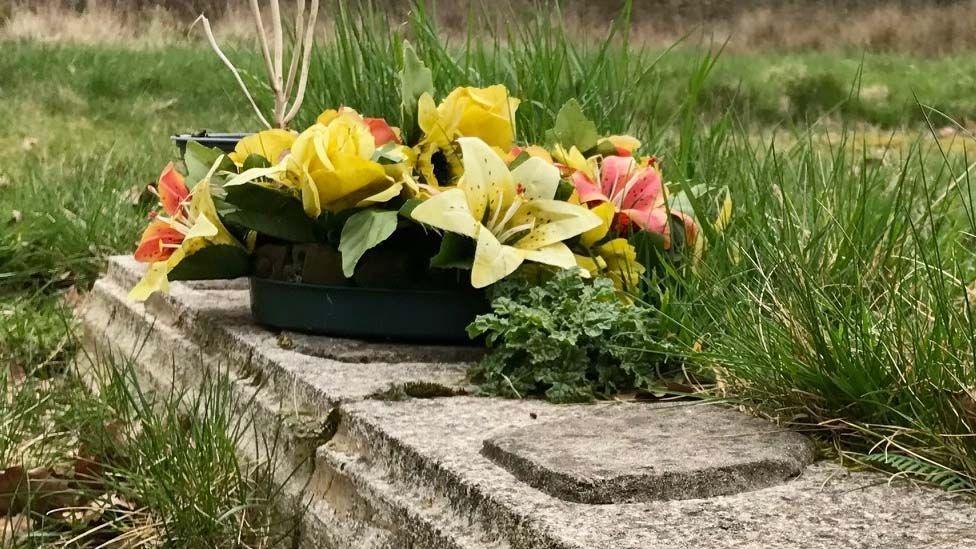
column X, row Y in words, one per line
column 415, row 80
column 573, row 128
column 521, row 158
column 456, row 252
column 408, row 206
column 564, row 190
column 199, row 160
column 213, row 262
column 269, row 212
column 604, row 148
column 255, row 161
column 685, row 200
column 364, row 230
column 388, row 154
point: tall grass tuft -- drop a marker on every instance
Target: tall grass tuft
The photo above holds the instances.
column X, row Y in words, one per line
column 179, row 456
column 539, row 60
column 840, row 298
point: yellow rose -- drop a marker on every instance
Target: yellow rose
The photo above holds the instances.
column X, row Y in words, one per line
column 332, row 165
column 485, row 113
column 271, row 144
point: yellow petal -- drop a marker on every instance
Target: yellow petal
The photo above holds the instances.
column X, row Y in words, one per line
column 153, row 281
column 493, row 261
column 386, row 195
column 574, row 159
column 328, row 115
column 253, row 174
column 269, row 143
column 448, row 211
column 349, row 135
column 427, row 117
column 589, row 265
column 351, row 175
column 605, row 212
column 724, row 214
column 555, row 221
column 557, row 255
column 202, row 228
column 621, row 263
column 487, row 182
column 539, row 178
column 539, row 152
column 496, row 129
column 625, row 142
column 310, row 199
column 206, row 222
column 487, row 113
column 305, row 150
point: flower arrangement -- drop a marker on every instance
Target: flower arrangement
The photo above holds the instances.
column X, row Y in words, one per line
column 450, row 190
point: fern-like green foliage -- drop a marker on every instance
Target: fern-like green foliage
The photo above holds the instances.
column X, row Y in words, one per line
column 931, row 473
column 567, row 339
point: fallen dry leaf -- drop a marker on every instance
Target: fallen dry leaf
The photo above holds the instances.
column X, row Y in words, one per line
column 13, row 488
column 12, row 528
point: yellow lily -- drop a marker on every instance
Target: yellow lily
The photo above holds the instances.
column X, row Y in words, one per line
column 620, row 263
column 485, row 113
column 616, row 259
column 512, row 215
column 271, row 144
column 572, row 160
column 178, row 233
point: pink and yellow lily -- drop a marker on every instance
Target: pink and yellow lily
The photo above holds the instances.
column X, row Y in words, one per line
column 634, row 189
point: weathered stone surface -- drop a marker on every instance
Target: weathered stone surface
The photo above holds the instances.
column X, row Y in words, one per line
column 432, row 449
column 627, row 454
column 414, row 472
column 219, row 322
column 351, row 350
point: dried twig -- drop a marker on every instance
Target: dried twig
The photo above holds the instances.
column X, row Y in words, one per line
column 306, row 58
column 213, row 44
column 273, row 52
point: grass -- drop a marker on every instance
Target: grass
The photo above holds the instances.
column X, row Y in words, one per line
column 134, row 469
column 89, row 129
column 837, row 299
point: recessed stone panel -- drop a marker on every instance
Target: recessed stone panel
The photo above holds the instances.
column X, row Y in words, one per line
column 641, row 452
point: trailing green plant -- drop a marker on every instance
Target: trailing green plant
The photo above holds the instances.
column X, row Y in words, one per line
column 567, row 339
column 924, row 470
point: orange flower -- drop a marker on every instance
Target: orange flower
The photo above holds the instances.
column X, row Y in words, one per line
column 158, row 242
column 171, row 189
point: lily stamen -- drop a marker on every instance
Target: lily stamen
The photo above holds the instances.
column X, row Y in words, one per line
column 505, row 236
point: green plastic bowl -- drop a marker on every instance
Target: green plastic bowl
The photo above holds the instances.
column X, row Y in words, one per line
column 431, row 316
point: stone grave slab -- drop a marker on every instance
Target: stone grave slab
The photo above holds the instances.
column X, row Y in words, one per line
column 628, row 454
column 391, row 470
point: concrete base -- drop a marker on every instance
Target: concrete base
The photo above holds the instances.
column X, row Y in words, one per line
column 378, row 467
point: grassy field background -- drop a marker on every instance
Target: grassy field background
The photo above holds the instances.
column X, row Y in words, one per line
column 837, row 301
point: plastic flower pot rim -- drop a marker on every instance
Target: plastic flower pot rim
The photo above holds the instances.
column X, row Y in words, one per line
column 405, row 315
column 225, row 141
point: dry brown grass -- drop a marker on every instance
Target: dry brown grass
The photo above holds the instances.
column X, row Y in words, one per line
column 932, row 27
column 929, row 30
column 149, row 26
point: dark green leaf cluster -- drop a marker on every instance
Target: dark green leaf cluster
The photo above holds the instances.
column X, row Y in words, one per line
column 568, row 339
